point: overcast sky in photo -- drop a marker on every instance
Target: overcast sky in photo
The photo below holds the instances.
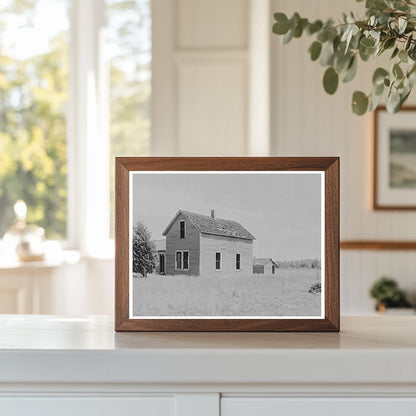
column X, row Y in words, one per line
column 283, row 211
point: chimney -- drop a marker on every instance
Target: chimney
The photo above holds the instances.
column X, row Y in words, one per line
column 213, row 213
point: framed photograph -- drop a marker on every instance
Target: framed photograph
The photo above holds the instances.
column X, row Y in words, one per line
column 394, row 159
column 227, row 244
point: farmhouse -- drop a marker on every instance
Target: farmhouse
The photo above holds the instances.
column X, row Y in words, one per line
column 264, row 266
column 205, row 245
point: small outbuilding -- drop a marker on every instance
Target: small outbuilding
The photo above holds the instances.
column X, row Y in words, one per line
column 264, row 266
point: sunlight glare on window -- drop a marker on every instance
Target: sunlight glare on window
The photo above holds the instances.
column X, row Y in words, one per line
column 33, row 103
column 129, row 53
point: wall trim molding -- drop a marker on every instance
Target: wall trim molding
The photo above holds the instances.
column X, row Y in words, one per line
column 377, row 245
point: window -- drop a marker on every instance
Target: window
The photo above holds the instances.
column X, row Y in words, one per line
column 237, row 261
column 33, row 110
column 181, row 229
column 182, row 260
column 217, row 261
column 186, row 260
column 129, row 57
column 59, row 134
column 178, row 265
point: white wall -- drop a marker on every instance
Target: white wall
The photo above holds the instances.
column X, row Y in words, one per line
column 308, row 122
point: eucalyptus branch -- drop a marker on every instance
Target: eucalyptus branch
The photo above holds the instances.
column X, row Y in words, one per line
column 389, row 25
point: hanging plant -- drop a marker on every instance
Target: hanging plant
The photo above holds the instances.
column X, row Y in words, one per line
column 389, row 27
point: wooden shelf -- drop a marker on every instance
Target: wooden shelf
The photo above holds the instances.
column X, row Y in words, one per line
column 378, row 245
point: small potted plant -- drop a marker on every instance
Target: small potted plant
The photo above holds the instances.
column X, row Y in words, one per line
column 387, row 294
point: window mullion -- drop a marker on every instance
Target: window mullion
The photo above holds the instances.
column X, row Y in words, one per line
column 88, row 134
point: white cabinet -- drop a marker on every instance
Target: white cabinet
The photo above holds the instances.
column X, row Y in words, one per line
column 51, row 365
column 87, row 406
column 261, row 406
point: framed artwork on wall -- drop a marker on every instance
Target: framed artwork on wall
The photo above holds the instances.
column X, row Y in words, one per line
column 394, row 177
column 227, row 244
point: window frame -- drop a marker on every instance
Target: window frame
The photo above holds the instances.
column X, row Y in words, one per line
column 218, row 262
column 178, row 267
column 187, row 260
column 238, row 262
column 88, row 133
column 180, row 229
column 182, row 259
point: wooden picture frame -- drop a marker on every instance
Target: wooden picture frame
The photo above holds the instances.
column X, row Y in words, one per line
column 394, row 184
column 132, row 177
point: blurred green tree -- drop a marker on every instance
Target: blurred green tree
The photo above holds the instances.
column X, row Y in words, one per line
column 33, row 97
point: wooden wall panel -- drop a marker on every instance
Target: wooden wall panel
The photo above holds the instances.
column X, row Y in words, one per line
column 200, row 77
column 212, row 24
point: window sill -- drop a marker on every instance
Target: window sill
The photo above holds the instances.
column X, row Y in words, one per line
column 64, row 257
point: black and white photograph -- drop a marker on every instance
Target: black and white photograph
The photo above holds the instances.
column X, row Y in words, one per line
column 226, row 244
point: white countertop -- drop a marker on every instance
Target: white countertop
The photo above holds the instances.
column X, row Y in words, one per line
column 53, row 349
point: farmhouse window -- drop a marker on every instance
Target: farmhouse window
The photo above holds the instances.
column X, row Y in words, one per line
column 217, row 261
column 186, row 260
column 179, row 260
column 237, row 261
column 181, row 229
column 182, row 260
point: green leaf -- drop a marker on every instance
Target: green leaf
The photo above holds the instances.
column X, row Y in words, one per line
column 322, row 36
column 314, row 27
column 395, row 52
column 359, row 103
column 374, row 101
column 281, row 27
column 288, row 37
column 403, row 56
column 402, row 24
column 366, row 53
column 393, row 101
column 404, row 96
column 330, row 80
column 408, row 42
column 367, row 42
column 379, row 89
column 298, row 30
column 397, row 71
column 400, row 5
column 376, row 4
column 294, row 20
column 379, row 75
column 327, row 53
column 412, row 52
column 342, row 62
column 389, row 43
column 351, row 71
column 411, row 75
column 315, row 50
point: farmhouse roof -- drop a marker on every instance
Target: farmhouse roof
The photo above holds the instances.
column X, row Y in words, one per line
column 214, row 226
column 262, row 261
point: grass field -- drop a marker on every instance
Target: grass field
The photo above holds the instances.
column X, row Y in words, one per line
column 283, row 294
